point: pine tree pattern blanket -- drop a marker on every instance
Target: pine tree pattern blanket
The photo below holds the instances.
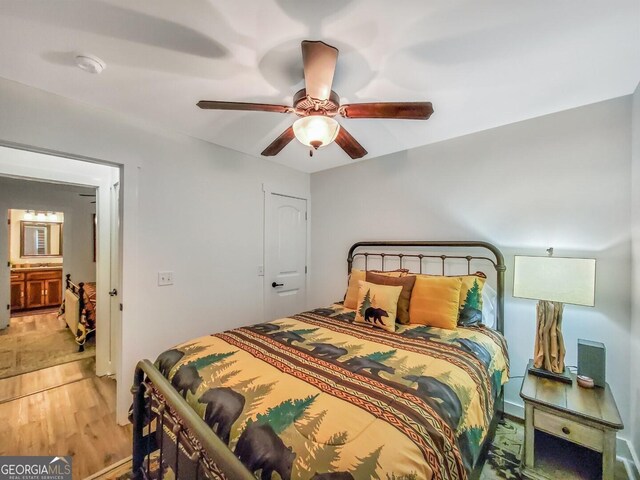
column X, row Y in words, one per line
column 315, row 396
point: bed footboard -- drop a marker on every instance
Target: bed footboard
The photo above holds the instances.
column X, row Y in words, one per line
column 168, row 434
column 75, row 313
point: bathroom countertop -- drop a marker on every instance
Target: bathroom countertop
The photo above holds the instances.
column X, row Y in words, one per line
column 31, row 269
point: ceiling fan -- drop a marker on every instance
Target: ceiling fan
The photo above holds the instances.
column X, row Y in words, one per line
column 317, row 105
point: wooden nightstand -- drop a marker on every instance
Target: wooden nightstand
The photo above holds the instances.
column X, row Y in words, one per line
column 587, row 417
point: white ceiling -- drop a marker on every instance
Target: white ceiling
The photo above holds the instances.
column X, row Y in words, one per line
column 481, row 63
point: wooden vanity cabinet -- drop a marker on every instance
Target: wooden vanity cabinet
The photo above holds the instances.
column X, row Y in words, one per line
column 17, row 291
column 39, row 288
column 53, row 290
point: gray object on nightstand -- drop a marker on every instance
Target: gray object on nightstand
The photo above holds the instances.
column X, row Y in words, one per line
column 592, row 361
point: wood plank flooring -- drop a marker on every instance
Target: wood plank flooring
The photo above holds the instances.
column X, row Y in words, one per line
column 60, row 410
column 75, row 419
column 37, row 321
column 33, row 382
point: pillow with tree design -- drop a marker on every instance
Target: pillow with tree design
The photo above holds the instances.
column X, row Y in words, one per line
column 406, row 282
column 377, row 305
column 470, row 310
column 351, row 296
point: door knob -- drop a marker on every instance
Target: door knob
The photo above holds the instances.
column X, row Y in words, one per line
column 113, row 292
column 274, row 284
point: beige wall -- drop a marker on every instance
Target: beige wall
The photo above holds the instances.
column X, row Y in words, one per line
column 559, row 181
column 17, row 216
column 180, row 195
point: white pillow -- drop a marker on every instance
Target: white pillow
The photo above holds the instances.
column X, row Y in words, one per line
column 489, row 306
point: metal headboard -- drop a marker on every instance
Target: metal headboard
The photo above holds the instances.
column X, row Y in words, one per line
column 497, row 261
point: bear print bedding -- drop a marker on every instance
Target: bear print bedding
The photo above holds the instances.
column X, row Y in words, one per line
column 317, row 396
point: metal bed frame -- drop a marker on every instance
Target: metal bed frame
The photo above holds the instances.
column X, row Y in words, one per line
column 79, row 291
column 164, row 424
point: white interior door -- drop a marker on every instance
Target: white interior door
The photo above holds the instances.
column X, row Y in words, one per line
column 285, row 255
column 114, row 290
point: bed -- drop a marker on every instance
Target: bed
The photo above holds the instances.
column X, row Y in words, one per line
column 78, row 310
column 317, row 396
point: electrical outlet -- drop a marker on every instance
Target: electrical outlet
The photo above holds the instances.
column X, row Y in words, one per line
column 165, row 278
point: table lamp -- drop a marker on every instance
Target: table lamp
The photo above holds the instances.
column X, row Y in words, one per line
column 553, row 281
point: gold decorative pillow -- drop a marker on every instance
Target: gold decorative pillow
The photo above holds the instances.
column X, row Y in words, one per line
column 470, row 310
column 377, row 305
column 406, row 282
column 435, row 301
column 351, row 297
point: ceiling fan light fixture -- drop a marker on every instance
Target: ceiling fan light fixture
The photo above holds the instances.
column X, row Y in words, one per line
column 316, row 131
column 317, row 105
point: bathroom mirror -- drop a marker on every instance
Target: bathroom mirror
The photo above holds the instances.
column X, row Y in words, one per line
column 41, row 239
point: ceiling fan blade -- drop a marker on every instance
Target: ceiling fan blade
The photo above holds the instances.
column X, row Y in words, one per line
column 257, row 107
column 350, row 144
column 279, row 143
column 87, row 194
column 401, row 110
column 319, row 61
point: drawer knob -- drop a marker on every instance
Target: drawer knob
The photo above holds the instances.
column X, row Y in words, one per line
column 566, row 430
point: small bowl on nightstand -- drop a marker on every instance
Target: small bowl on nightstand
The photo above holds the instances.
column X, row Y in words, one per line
column 585, row 382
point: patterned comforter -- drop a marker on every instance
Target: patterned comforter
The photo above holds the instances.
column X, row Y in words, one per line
column 315, row 394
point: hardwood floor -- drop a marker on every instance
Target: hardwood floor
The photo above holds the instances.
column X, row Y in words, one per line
column 60, row 410
column 38, row 341
column 75, row 419
column 37, row 321
column 33, row 382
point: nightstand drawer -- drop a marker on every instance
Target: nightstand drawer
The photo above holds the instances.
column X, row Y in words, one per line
column 575, row 432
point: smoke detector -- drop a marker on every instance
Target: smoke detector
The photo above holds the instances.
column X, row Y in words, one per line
column 90, row 63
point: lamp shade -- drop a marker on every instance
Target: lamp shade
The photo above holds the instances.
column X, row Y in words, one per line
column 316, row 130
column 556, row 279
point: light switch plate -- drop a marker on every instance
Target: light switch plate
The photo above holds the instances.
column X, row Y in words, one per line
column 165, row 278
column 260, row 271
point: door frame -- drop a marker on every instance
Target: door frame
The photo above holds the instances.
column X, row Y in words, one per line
column 128, row 175
column 104, row 336
column 269, row 190
column 115, row 270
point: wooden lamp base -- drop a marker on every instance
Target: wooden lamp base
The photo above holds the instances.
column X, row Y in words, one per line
column 549, row 345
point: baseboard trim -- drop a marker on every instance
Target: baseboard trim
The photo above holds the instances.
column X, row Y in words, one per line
column 624, row 449
column 514, row 409
column 107, row 469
